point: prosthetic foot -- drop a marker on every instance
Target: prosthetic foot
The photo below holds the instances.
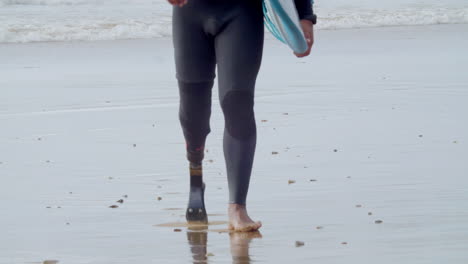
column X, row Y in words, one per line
column 196, row 212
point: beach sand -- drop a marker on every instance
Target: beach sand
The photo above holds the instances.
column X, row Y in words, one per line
column 361, row 155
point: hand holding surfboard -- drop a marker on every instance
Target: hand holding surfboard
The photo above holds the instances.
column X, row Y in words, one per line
column 282, row 19
column 308, row 29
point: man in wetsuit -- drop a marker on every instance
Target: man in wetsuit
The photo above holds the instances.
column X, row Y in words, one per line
column 227, row 34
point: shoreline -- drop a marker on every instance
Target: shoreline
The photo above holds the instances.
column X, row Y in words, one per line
column 268, row 36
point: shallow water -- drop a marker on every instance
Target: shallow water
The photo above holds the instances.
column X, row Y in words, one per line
column 371, row 122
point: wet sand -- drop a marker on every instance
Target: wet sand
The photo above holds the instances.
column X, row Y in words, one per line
column 361, row 154
column 193, row 225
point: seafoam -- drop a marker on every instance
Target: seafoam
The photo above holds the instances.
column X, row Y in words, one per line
column 88, row 20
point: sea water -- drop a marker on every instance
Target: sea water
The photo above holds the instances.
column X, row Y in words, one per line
column 88, row 20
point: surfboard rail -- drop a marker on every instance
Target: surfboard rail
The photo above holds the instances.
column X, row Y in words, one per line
column 282, row 20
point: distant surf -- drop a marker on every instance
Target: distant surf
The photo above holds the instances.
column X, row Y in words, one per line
column 88, row 20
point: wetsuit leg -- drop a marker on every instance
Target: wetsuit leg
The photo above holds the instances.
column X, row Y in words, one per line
column 229, row 33
column 239, row 48
column 195, row 72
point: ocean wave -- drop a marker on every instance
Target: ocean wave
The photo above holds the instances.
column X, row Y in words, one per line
column 90, row 30
column 400, row 17
column 68, row 2
column 157, row 23
column 47, row 2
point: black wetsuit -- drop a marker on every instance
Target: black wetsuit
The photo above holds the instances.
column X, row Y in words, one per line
column 227, row 34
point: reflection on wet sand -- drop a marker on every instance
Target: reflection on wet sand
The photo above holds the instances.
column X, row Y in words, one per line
column 198, row 238
column 239, row 241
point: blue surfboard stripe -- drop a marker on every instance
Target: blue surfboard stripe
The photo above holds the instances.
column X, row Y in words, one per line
column 294, row 36
column 270, row 26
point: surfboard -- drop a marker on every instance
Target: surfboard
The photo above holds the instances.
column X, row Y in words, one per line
column 282, row 21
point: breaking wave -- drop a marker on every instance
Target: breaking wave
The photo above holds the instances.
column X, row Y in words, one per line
column 87, row 20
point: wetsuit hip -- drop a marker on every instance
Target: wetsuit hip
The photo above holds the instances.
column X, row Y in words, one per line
column 228, row 35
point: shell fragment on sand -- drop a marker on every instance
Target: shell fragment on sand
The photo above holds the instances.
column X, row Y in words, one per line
column 299, row 243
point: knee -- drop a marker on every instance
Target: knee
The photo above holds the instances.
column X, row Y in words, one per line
column 195, row 91
column 195, row 100
column 238, row 109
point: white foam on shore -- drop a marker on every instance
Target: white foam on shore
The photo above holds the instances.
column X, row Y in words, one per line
column 88, row 20
column 105, row 29
column 401, row 17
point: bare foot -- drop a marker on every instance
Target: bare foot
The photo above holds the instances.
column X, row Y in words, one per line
column 240, row 221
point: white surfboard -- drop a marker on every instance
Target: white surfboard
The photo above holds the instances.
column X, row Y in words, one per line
column 282, row 20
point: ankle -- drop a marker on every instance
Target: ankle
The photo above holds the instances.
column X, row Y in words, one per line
column 236, row 207
column 196, row 175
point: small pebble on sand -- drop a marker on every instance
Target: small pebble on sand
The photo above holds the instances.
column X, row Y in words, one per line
column 59, row 207
column 313, row 180
column 344, row 243
column 349, row 177
column 50, row 262
column 291, row 181
column 358, row 205
column 134, row 145
column 159, row 198
column 264, row 120
column 177, row 230
column 48, row 161
column 68, row 223
column 369, row 213
column 48, row 207
column 110, row 178
column 299, row 243
column 285, row 114
column 39, row 138
column 125, row 196
column 210, row 160
column 420, row 135
column 120, row 201
column 113, row 206
column 455, row 142
column 274, row 152
column 319, row 227
column 378, row 221
column 335, row 150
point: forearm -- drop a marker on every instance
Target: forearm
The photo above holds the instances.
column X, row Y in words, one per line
column 304, row 8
